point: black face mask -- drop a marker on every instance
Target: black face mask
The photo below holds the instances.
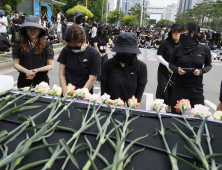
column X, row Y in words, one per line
column 125, row 57
column 104, row 33
column 79, row 20
column 188, row 42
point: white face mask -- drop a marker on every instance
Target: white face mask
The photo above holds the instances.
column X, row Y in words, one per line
column 78, row 51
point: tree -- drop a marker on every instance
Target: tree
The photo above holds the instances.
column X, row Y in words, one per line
column 129, row 20
column 81, row 9
column 136, row 11
column 12, row 3
column 164, row 23
column 112, row 16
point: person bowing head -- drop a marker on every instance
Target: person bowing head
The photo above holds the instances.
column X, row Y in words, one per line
column 32, row 55
column 79, row 62
column 124, row 75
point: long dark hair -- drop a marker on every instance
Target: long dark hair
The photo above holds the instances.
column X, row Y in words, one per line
column 192, row 27
column 38, row 48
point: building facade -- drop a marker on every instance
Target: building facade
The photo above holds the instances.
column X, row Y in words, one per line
column 169, row 12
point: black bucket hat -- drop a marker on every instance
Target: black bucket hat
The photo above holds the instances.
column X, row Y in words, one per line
column 32, row 21
column 175, row 27
column 126, row 43
column 100, row 28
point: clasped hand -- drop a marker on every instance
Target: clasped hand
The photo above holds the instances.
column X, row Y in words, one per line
column 30, row 74
column 182, row 72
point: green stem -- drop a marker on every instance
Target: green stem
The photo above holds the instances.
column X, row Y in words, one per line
column 213, row 163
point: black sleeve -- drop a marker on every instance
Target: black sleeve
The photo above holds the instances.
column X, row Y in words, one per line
column 105, row 76
column 95, row 63
column 63, row 57
column 208, row 62
column 173, row 60
column 107, row 40
column 16, row 49
column 49, row 51
column 139, row 92
column 161, row 49
column 19, row 21
column 141, row 81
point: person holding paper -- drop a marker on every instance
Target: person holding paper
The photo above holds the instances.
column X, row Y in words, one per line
column 189, row 62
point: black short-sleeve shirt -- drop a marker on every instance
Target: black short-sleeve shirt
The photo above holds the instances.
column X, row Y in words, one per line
column 32, row 61
column 123, row 82
column 78, row 66
column 102, row 41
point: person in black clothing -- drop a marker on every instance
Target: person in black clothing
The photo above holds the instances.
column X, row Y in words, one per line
column 101, row 42
column 124, row 75
column 158, row 42
column 4, row 44
column 16, row 23
column 79, row 62
column 32, row 54
column 163, row 55
column 142, row 42
column 64, row 27
column 23, row 18
column 217, row 37
column 189, row 62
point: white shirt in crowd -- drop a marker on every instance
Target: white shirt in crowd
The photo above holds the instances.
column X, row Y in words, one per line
column 58, row 16
column 3, row 27
column 94, row 31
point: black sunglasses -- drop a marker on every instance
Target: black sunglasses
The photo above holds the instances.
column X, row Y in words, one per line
column 75, row 47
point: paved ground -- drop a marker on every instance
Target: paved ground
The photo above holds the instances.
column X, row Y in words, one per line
column 211, row 80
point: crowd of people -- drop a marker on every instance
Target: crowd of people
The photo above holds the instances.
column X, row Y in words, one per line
column 182, row 54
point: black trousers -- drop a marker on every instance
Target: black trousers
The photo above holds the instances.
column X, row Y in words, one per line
column 194, row 94
column 92, row 42
column 39, row 77
column 162, row 81
column 4, row 47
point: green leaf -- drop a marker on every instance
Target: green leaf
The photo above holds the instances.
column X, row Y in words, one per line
column 51, row 161
column 3, row 133
column 9, row 111
column 201, row 129
column 111, row 143
column 156, row 132
column 66, row 129
column 23, row 118
column 37, row 163
column 174, row 150
column 38, row 126
column 69, row 114
column 117, row 133
column 3, row 93
column 181, row 122
column 67, row 149
column 14, row 157
column 219, row 167
column 102, row 158
column 82, row 149
column 89, row 145
column 196, row 156
column 119, row 161
column 172, row 130
column 184, row 161
column 49, row 148
column 25, row 108
column 16, row 135
column 216, row 155
column 92, row 162
column 81, row 114
column 130, row 157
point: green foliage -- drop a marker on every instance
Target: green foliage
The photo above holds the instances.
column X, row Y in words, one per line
column 129, row 20
column 56, row 8
column 112, row 16
column 81, row 9
column 136, row 11
column 164, row 23
column 12, row 3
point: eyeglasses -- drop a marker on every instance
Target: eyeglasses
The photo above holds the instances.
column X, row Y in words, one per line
column 75, row 47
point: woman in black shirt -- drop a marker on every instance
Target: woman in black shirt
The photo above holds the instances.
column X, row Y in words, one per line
column 101, row 42
column 79, row 62
column 124, row 75
column 189, row 62
column 163, row 55
column 32, row 54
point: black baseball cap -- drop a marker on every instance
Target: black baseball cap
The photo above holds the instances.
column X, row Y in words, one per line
column 77, row 14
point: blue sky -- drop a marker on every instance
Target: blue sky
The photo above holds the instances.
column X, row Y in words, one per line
column 163, row 3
